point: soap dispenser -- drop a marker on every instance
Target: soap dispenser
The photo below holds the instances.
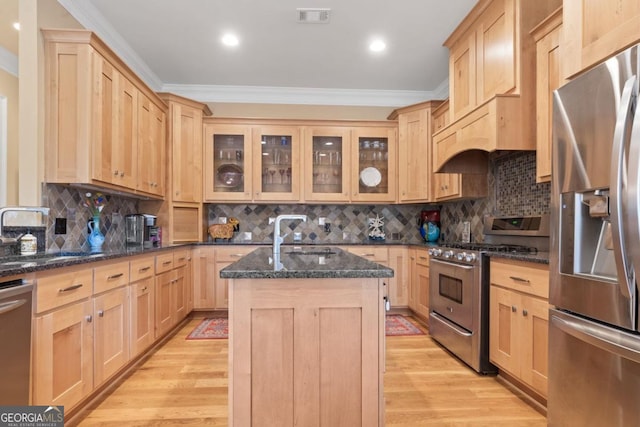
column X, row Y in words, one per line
column 28, row 244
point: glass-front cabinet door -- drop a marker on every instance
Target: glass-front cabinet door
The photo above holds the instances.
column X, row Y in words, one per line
column 227, row 162
column 373, row 155
column 326, row 163
column 277, row 168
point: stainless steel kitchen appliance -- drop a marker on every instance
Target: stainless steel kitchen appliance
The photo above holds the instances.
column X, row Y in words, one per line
column 15, row 336
column 134, row 229
column 459, row 285
column 594, row 339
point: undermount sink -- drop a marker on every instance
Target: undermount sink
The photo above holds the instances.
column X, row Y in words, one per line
column 326, row 251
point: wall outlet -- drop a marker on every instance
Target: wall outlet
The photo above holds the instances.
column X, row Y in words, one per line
column 247, row 235
column 60, row 226
column 297, row 236
column 116, row 218
column 222, row 220
column 321, row 220
column 345, row 236
column 272, row 220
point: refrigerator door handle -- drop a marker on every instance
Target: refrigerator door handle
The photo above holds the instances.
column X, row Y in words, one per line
column 626, row 275
column 633, row 188
column 606, row 338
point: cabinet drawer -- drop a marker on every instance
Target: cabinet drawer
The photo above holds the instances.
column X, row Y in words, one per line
column 372, row 254
column 164, row 262
column 142, row 268
column 232, row 254
column 180, row 258
column 521, row 276
column 422, row 257
column 62, row 287
column 110, row 276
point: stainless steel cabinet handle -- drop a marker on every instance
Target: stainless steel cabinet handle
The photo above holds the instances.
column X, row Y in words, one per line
column 236, row 255
column 101, row 313
column 525, row 313
column 424, row 258
column 519, row 279
column 181, row 259
column 89, row 318
column 140, row 270
column 115, row 276
column 71, row 288
column 387, row 304
column 167, row 262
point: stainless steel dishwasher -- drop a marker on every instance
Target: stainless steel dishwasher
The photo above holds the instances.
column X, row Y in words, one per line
column 15, row 336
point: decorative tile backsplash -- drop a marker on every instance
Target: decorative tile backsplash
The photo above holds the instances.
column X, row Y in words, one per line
column 512, row 191
column 66, row 202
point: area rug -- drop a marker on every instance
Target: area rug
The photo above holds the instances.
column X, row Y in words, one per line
column 398, row 325
column 218, row 328
column 210, row 329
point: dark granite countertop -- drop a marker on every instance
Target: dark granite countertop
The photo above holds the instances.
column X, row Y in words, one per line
column 312, row 262
column 17, row 265
column 539, row 258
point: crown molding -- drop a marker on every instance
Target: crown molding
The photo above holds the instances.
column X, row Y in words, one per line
column 301, row 96
column 442, row 91
column 8, row 61
column 91, row 18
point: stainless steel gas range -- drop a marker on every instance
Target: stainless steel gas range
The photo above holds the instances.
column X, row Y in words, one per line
column 459, row 285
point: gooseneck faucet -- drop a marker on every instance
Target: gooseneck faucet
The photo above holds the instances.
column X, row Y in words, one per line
column 42, row 210
column 277, row 239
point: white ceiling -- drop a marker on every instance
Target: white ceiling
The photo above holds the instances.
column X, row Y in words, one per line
column 174, row 45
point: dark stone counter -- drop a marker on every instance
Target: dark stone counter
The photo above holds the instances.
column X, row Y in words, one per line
column 539, row 258
column 311, row 262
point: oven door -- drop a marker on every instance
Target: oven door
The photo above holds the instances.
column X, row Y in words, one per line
column 451, row 291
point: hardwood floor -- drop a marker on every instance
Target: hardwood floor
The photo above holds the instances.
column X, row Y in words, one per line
column 185, row 383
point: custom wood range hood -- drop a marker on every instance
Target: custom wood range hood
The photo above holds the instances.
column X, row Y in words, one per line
column 491, row 84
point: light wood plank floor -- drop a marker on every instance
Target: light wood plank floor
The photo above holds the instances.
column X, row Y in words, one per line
column 185, row 383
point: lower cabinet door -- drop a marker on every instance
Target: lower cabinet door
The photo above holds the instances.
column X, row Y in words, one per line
column 111, row 334
column 142, row 316
column 63, row 355
column 503, row 318
column 163, row 303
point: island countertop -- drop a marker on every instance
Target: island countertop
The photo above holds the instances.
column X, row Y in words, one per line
column 304, row 262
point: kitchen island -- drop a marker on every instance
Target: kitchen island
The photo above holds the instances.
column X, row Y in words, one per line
column 306, row 338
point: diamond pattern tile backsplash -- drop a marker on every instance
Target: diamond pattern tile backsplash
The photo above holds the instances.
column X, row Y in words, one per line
column 512, row 191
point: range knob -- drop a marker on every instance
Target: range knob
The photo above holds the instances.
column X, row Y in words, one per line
column 435, row 251
column 461, row 255
column 470, row 257
column 448, row 254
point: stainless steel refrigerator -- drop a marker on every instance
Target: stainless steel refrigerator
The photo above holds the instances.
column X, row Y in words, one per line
column 594, row 340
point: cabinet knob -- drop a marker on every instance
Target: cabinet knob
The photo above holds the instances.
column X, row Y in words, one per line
column 514, row 308
column 525, row 313
column 89, row 318
column 100, row 313
column 121, row 173
column 115, row 173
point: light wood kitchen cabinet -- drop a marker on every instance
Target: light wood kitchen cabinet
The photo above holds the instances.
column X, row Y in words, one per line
column 63, row 337
column 277, row 163
column 227, row 162
column 171, row 293
column 92, row 115
column 419, row 287
column 204, row 278
column 111, row 333
column 225, row 256
column 398, row 285
column 547, row 37
column 373, row 164
column 151, row 147
column 490, row 54
column 519, row 322
column 596, row 29
column 455, row 186
column 141, row 290
column 326, row 165
column 414, row 151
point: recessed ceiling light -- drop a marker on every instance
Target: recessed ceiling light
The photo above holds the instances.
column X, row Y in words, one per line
column 230, row 40
column 16, row 26
column 377, row 45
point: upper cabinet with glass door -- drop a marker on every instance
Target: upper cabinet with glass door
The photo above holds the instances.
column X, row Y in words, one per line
column 228, row 164
column 326, row 163
column 373, row 171
column 276, row 172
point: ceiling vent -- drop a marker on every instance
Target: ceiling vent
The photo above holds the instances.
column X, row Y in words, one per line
column 313, row 15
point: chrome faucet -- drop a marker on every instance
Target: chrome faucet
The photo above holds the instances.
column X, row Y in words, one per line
column 42, row 210
column 277, row 239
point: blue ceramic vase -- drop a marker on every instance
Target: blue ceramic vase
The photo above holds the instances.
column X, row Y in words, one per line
column 95, row 238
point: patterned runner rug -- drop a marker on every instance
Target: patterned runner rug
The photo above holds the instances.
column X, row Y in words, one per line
column 218, row 328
